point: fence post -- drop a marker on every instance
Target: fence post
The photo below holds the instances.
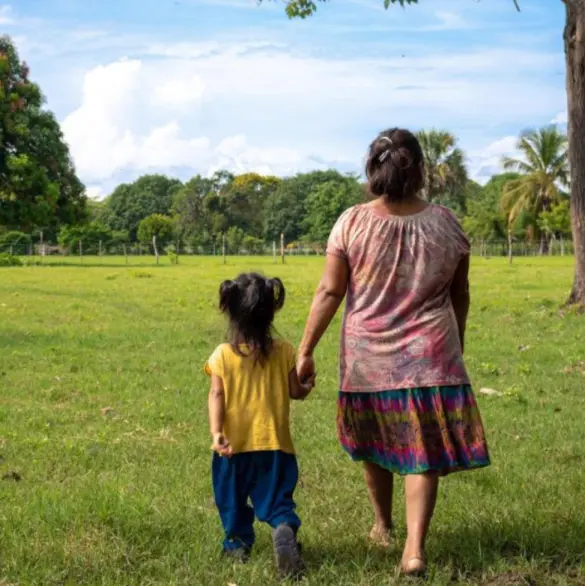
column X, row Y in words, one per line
column 223, row 248
column 81, row 251
column 41, row 247
column 100, row 248
column 125, row 252
column 282, row 247
column 274, row 250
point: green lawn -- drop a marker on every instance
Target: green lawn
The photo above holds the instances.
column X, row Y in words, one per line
column 104, row 419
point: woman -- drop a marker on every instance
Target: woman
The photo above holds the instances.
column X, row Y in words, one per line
column 405, row 402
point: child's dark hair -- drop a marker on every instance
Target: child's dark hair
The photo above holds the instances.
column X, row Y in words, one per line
column 394, row 165
column 251, row 302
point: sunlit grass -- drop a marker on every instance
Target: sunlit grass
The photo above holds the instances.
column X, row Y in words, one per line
column 104, row 420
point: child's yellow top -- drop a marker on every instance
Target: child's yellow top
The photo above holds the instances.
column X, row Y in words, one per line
column 257, row 403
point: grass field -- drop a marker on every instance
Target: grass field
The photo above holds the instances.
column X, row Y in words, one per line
column 103, row 419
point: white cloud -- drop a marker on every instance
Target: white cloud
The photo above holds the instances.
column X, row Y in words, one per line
column 451, row 20
column 266, row 107
column 94, row 192
column 488, row 161
column 236, row 155
column 179, row 92
column 6, row 15
column 560, row 118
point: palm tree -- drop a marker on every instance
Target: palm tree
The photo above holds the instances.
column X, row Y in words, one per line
column 544, row 167
column 445, row 172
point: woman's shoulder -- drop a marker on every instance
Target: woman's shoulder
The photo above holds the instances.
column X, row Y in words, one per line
column 443, row 211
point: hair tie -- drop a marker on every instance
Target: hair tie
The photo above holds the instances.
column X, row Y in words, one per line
column 386, row 153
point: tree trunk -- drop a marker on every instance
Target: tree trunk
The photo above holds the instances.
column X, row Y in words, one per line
column 575, row 58
column 510, row 249
column 551, row 245
column 155, row 248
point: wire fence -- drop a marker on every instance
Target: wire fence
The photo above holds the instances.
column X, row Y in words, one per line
column 37, row 253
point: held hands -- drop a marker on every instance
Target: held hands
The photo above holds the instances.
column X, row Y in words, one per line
column 306, row 370
column 307, row 386
column 221, row 446
column 306, row 373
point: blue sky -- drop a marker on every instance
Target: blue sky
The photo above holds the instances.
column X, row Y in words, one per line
column 190, row 86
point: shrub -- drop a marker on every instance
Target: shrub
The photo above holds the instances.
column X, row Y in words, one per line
column 18, row 240
column 9, row 260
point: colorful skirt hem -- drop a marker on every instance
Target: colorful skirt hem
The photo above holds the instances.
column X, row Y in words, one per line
column 414, row 431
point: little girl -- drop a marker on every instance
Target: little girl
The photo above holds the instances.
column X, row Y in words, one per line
column 253, row 377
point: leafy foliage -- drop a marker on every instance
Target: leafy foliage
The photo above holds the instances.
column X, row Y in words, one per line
column 38, row 184
column 544, row 169
column 326, row 202
column 10, row 260
column 156, row 225
column 445, row 172
column 132, row 202
column 557, row 220
column 16, row 239
column 90, row 235
column 305, row 8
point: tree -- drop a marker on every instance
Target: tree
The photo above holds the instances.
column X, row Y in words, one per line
column 485, row 219
column 445, row 171
column 92, row 237
column 234, row 239
column 157, row 230
column 38, row 184
column 543, row 171
column 245, row 199
column 556, row 222
column 326, row 202
column 285, row 208
column 188, row 209
column 253, row 245
column 18, row 242
column 130, row 203
column 574, row 39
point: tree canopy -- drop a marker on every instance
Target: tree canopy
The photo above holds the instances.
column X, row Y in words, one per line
column 38, row 184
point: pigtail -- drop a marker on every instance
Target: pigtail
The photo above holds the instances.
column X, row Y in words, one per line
column 228, row 296
column 278, row 292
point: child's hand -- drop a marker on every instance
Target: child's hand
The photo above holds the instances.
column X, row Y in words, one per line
column 307, row 386
column 221, row 446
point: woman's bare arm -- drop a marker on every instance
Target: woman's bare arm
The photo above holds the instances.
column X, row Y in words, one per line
column 460, row 298
column 328, row 298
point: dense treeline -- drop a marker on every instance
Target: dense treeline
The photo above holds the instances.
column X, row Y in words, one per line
column 42, row 200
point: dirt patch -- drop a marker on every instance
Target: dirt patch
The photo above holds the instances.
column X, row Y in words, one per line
column 576, row 368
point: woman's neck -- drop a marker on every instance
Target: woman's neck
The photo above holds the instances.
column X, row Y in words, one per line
column 400, row 208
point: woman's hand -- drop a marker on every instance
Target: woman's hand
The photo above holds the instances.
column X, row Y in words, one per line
column 306, row 370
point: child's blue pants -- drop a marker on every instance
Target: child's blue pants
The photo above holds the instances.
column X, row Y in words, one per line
column 266, row 479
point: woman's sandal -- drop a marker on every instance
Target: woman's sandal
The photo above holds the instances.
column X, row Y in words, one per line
column 415, row 567
column 381, row 538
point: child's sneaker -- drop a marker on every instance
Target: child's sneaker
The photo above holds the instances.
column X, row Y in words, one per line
column 239, row 555
column 287, row 553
